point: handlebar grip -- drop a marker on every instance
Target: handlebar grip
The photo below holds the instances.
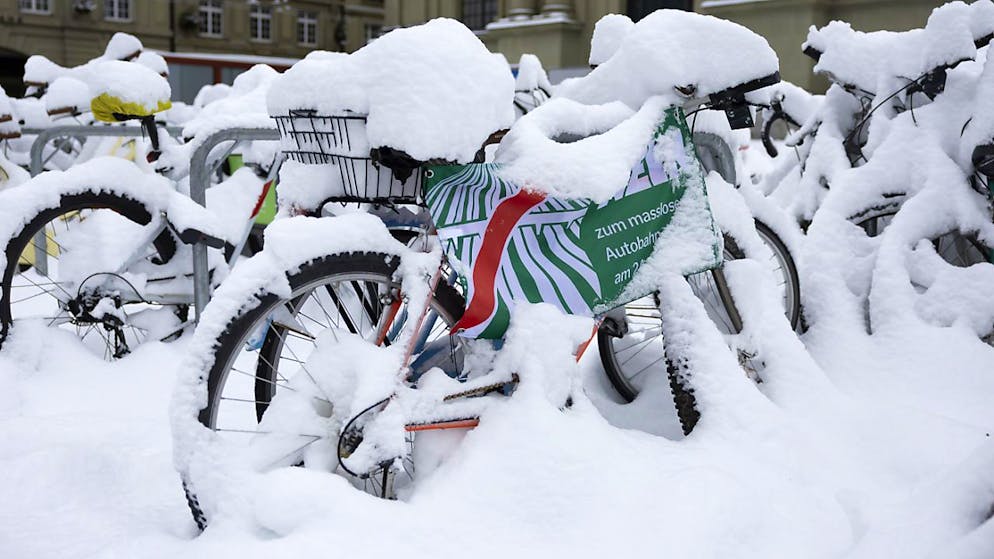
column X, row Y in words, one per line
column 812, row 52
column 193, row 236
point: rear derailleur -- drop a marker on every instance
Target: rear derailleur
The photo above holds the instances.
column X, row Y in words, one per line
column 94, row 309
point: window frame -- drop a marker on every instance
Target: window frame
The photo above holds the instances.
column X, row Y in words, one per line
column 114, row 14
column 305, row 20
column 258, row 17
column 371, row 32
column 482, row 11
column 206, row 10
column 31, row 7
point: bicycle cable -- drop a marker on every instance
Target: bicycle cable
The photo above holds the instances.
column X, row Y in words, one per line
column 858, row 129
column 345, row 430
column 79, row 290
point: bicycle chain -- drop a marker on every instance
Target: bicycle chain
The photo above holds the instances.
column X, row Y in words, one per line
column 482, row 390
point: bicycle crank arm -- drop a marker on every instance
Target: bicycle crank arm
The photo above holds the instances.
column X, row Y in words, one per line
column 466, row 423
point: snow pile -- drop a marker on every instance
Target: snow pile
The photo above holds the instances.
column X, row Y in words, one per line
column 123, row 47
column 609, row 32
column 874, row 61
column 531, row 75
column 241, row 106
column 596, row 166
column 40, row 71
column 67, row 95
column 531, row 86
column 456, row 93
column 584, row 142
column 154, row 61
column 210, row 93
column 663, row 51
column 130, row 82
column 219, row 107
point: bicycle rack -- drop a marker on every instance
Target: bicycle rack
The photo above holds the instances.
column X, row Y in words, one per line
column 200, row 181
column 45, row 135
column 69, row 131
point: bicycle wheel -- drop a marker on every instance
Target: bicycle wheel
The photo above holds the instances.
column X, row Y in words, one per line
column 277, row 337
column 59, row 272
column 632, row 351
column 781, row 263
column 956, row 248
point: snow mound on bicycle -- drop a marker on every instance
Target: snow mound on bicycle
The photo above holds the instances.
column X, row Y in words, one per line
column 583, row 143
column 872, row 61
column 663, row 52
column 433, row 91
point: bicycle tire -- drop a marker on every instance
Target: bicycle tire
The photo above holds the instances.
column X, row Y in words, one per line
column 792, row 282
column 956, row 248
column 608, row 332
column 164, row 244
column 255, row 312
column 622, row 384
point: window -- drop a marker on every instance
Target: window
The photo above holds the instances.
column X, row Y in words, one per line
column 211, row 18
column 307, row 28
column 117, row 10
column 35, row 6
column 638, row 9
column 476, row 14
column 261, row 23
column 373, row 31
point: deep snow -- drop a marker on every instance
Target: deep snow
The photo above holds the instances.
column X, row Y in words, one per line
column 855, row 445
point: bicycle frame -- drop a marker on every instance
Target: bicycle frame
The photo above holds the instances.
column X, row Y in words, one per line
column 458, row 410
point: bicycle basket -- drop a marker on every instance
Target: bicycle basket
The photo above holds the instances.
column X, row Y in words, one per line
column 339, row 141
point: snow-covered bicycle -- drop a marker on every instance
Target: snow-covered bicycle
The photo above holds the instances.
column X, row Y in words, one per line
column 333, row 348
column 629, row 338
column 874, row 77
column 103, row 248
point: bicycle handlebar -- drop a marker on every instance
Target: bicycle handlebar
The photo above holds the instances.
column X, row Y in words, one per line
column 778, row 114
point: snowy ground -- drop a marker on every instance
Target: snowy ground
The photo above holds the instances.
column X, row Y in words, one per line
column 853, row 446
column 876, row 447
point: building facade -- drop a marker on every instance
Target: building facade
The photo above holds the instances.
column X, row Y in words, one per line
column 559, row 31
column 70, row 32
column 785, row 24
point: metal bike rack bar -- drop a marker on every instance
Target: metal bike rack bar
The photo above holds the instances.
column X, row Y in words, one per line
column 200, row 181
column 45, row 135
column 37, row 164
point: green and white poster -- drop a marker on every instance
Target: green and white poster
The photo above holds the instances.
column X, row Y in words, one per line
column 518, row 245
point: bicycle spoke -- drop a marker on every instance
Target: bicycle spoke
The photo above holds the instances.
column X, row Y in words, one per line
column 644, row 369
column 646, row 346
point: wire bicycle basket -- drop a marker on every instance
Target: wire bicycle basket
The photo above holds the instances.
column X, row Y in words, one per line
column 339, row 141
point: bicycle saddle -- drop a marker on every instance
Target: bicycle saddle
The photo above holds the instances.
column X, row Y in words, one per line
column 66, row 96
column 39, row 72
column 126, row 90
